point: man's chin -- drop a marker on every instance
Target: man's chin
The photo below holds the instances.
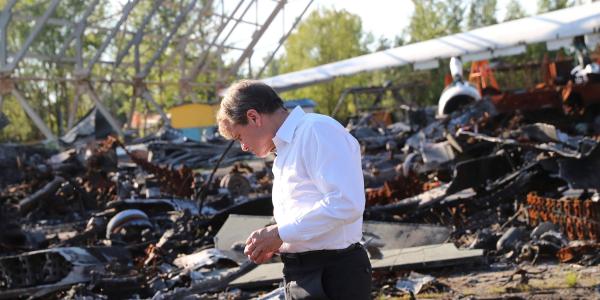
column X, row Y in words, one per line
column 262, row 155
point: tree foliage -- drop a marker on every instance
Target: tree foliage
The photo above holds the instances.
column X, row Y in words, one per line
column 481, row 13
column 514, row 11
column 435, row 18
column 325, row 36
column 550, row 5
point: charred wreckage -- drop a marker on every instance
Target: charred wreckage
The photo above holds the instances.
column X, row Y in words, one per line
column 489, row 176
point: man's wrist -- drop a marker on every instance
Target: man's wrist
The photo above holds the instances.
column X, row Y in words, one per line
column 275, row 232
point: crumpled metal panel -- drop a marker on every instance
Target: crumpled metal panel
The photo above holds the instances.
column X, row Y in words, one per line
column 48, row 270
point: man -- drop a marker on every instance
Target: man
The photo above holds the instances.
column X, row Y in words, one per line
column 318, row 193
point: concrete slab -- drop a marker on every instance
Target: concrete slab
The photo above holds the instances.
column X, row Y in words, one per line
column 423, row 257
column 394, row 235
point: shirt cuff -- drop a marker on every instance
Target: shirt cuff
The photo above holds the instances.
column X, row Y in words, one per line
column 287, row 232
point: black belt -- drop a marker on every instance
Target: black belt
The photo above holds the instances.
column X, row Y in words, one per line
column 316, row 256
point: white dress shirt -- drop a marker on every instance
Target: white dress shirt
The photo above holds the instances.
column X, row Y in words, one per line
column 318, row 186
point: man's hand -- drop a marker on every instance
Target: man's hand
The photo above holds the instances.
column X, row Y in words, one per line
column 262, row 244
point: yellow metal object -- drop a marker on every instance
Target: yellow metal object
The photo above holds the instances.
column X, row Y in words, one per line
column 193, row 115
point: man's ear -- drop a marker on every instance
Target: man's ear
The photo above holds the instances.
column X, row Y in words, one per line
column 254, row 117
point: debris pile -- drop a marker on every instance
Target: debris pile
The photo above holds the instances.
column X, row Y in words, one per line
column 480, row 186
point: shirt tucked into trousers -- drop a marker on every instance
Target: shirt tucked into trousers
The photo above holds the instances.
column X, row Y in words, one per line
column 318, row 200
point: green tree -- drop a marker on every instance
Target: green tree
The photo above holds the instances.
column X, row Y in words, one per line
column 550, row 5
column 435, row 18
column 514, row 11
column 325, row 36
column 481, row 13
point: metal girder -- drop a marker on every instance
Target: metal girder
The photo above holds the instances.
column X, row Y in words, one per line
column 283, row 39
column 146, row 69
column 73, row 108
column 103, row 109
column 137, row 38
column 255, row 38
column 178, row 21
column 182, row 43
column 58, row 22
column 193, row 73
column 43, row 57
column 221, row 46
column 4, row 19
column 126, row 11
column 36, row 30
column 79, row 27
column 237, row 22
column 33, row 115
column 146, row 95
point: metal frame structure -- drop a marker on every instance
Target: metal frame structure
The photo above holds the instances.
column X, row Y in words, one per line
column 120, row 34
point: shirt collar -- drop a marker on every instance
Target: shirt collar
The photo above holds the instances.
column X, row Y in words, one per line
column 285, row 133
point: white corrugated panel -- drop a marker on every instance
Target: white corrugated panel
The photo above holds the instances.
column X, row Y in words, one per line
column 497, row 40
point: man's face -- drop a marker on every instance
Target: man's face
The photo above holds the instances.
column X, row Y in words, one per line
column 256, row 136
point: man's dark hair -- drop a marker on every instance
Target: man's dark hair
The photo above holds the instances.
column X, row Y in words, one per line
column 248, row 94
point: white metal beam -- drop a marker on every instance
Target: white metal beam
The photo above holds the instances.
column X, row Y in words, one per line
column 177, row 23
column 39, row 123
column 126, row 11
column 255, row 38
column 31, row 37
column 557, row 27
column 139, row 34
column 197, row 68
column 182, row 42
column 103, row 109
column 283, row 39
column 79, row 27
column 4, row 20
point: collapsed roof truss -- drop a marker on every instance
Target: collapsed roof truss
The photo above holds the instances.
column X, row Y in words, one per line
column 132, row 42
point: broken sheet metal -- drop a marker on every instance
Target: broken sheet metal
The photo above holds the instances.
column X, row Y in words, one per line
column 414, row 282
column 539, row 137
column 476, row 173
column 92, row 126
column 581, row 173
column 178, row 182
column 45, row 271
column 211, row 257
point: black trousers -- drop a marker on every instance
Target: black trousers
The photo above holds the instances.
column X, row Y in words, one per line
column 328, row 274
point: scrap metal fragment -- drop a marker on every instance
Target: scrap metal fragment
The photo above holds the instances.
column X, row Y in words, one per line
column 45, row 193
column 46, row 271
column 129, row 217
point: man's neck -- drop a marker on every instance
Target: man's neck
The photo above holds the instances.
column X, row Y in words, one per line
column 278, row 118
